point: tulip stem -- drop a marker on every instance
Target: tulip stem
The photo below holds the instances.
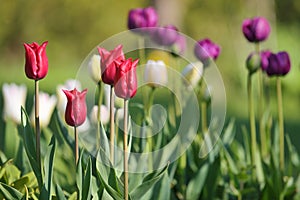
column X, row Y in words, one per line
column 204, row 116
column 251, row 120
column 125, row 142
column 112, row 124
column 281, row 124
column 100, row 97
column 76, row 150
column 37, row 124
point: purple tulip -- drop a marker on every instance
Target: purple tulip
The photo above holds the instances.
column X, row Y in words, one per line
column 166, row 35
column 256, row 29
column 206, row 49
column 264, row 56
column 142, row 18
column 279, row 64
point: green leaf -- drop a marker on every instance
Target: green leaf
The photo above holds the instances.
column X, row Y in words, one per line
column 162, row 188
column 148, row 183
column 29, row 144
column 46, row 192
column 112, row 192
column 11, row 139
column 10, row 192
column 26, row 196
column 64, row 131
column 87, row 183
column 195, row 186
column 59, row 193
column 79, row 176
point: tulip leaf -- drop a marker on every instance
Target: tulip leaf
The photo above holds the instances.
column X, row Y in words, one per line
column 9, row 192
column 64, row 131
column 46, row 192
column 59, row 193
column 79, row 176
column 87, row 181
column 195, row 186
column 148, row 183
column 29, row 144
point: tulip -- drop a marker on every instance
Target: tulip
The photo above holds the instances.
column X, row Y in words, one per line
column 125, row 80
column 76, row 109
column 166, row 35
column 279, row 64
column 104, row 118
column 253, row 62
column 94, row 68
column 256, row 29
column 192, row 73
column 179, row 45
column 61, row 97
column 142, row 18
column 206, row 49
column 46, row 107
column 14, row 97
column 108, row 66
column 36, row 66
column 264, row 56
column 155, row 73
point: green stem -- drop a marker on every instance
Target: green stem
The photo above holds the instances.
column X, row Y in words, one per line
column 112, row 125
column 37, row 124
column 76, row 150
column 281, row 124
column 204, row 116
column 251, row 119
column 100, row 98
column 125, row 142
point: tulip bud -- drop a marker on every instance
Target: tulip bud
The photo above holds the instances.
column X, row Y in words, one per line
column 256, row 29
column 206, row 50
column 46, row 107
column 166, row 35
column 104, row 114
column 125, row 80
column 14, row 97
column 192, row 74
column 279, row 64
column 76, row 109
column 155, row 73
column 108, row 66
column 94, row 68
column 36, row 66
column 179, row 46
column 142, row 18
column 253, row 62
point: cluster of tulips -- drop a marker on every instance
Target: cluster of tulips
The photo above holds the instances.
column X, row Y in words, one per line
column 116, row 75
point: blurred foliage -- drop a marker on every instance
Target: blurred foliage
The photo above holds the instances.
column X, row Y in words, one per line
column 73, row 29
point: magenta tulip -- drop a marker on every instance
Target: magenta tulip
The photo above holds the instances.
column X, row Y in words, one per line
column 256, row 29
column 166, row 35
column 36, row 66
column 76, row 109
column 264, row 56
column 206, row 49
column 142, row 18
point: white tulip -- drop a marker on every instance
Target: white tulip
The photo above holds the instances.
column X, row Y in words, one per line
column 155, row 73
column 46, row 107
column 14, row 97
column 193, row 73
column 104, row 114
column 94, row 68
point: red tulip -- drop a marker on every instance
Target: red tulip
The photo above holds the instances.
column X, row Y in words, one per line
column 126, row 81
column 36, row 66
column 76, row 109
column 108, row 66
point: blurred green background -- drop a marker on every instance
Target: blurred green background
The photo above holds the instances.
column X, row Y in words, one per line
column 74, row 28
